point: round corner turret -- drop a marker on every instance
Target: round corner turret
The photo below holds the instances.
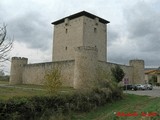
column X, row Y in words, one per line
column 138, row 71
column 17, row 65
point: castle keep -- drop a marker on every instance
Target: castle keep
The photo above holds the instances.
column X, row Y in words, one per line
column 79, row 49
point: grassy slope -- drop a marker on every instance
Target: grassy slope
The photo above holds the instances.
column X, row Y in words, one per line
column 8, row 91
column 131, row 103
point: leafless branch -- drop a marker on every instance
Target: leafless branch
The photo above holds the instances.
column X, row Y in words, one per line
column 5, row 44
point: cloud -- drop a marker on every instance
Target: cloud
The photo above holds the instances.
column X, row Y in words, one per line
column 28, row 23
column 143, row 27
column 112, row 35
column 32, row 30
column 133, row 31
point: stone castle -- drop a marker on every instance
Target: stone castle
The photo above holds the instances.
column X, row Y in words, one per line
column 79, row 48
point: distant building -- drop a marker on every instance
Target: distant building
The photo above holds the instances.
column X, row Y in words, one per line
column 149, row 72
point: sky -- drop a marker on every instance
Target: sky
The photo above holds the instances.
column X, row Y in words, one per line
column 133, row 31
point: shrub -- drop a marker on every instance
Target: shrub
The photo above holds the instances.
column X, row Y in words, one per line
column 53, row 80
column 157, row 84
column 117, row 73
column 42, row 107
column 108, row 84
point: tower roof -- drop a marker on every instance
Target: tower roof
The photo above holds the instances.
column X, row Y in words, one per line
column 82, row 13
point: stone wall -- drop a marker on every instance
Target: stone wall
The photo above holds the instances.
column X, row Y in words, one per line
column 85, row 67
column 138, row 71
column 34, row 73
column 80, row 31
column 95, row 35
column 78, row 73
column 87, row 34
column 17, row 65
column 128, row 70
column 67, row 36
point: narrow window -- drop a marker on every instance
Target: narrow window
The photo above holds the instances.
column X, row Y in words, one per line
column 66, row 31
column 95, row 30
column 66, row 48
column 66, row 24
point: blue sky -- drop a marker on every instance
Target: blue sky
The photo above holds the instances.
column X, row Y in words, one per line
column 133, row 32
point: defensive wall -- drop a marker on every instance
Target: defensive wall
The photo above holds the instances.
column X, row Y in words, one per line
column 80, row 52
column 79, row 73
column 34, row 73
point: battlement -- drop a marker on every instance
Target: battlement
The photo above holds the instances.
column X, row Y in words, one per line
column 136, row 61
column 19, row 58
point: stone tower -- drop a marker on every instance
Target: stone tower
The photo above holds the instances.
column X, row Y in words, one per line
column 86, row 61
column 80, row 29
column 138, row 71
column 17, row 65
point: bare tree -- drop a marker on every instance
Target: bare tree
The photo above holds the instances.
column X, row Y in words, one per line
column 5, row 44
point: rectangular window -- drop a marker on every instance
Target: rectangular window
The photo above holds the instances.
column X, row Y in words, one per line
column 95, row 30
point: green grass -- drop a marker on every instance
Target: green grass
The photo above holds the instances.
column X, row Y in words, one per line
column 8, row 91
column 4, row 82
column 130, row 104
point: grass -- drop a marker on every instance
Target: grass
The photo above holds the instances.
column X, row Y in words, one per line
column 8, row 91
column 130, row 104
column 4, row 82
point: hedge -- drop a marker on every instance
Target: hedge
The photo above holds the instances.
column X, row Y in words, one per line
column 31, row 108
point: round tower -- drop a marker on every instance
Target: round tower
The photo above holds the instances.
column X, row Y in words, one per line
column 138, row 71
column 86, row 59
column 17, row 64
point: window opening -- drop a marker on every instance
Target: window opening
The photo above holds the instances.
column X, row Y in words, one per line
column 95, row 30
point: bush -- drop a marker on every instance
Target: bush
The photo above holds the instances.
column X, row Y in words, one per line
column 53, row 80
column 4, row 78
column 157, row 84
column 117, row 73
column 41, row 107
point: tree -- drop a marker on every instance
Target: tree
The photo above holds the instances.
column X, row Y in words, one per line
column 117, row 73
column 5, row 44
column 53, row 80
column 153, row 80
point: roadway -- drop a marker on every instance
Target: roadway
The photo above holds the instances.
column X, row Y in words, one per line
column 154, row 93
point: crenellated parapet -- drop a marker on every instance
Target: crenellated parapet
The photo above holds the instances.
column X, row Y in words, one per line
column 19, row 58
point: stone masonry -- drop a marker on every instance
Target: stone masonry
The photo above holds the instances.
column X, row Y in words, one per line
column 79, row 48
